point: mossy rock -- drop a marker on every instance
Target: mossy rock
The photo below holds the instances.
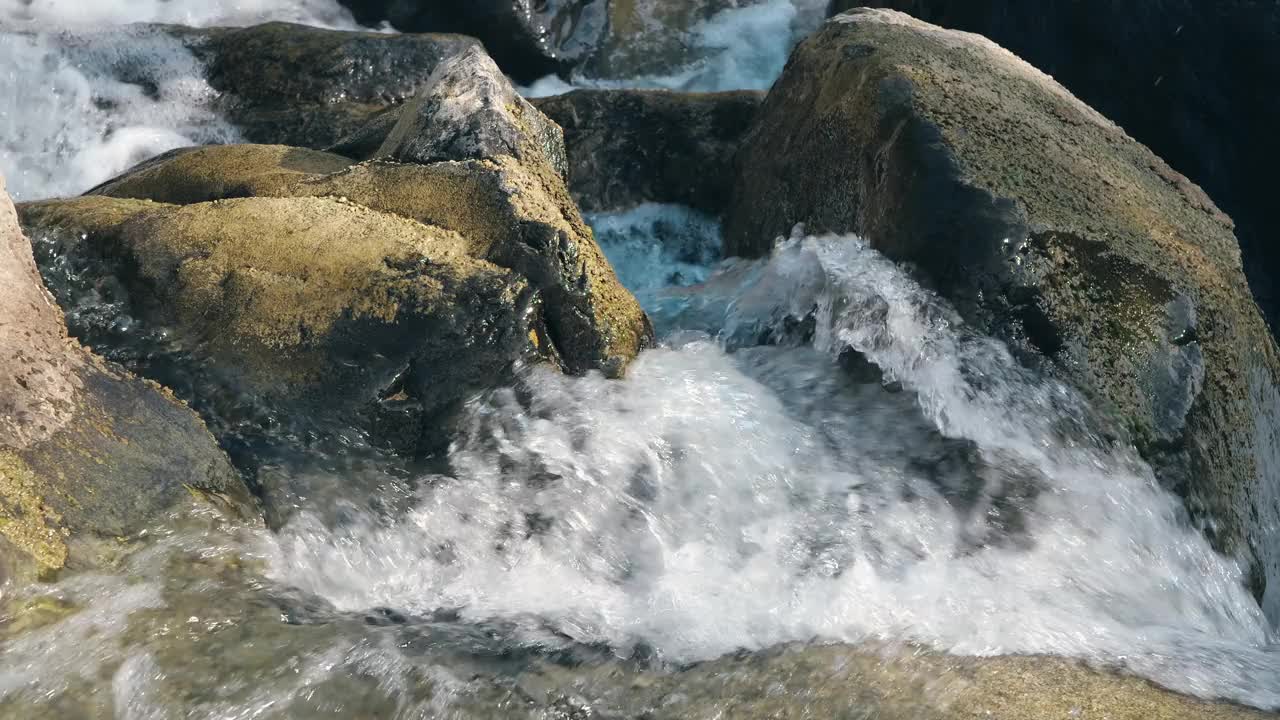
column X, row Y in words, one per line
column 517, row 215
column 322, row 308
column 89, row 455
column 523, row 218
column 1045, row 225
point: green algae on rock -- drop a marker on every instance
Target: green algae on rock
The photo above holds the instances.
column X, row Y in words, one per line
column 1045, row 225
column 87, row 452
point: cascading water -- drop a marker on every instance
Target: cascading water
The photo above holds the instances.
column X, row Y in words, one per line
column 818, row 450
column 727, row 495
column 720, row 499
column 88, row 100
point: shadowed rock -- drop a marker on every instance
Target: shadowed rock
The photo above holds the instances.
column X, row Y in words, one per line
column 528, row 38
column 308, row 87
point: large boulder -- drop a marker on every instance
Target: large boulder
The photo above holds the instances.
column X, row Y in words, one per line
column 325, row 308
column 1176, row 75
column 627, row 147
column 89, row 455
column 1045, row 225
column 528, row 38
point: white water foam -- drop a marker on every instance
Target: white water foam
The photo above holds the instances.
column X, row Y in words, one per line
column 71, row 121
column 42, row 14
column 85, row 100
column 721, row 500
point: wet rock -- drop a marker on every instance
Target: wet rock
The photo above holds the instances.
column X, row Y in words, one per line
column 89, row 455
column 467, row 110
column 475, row 159
column 1172, row 73
column 1045, row 225
column 886, row 683
column 319, row 308
column 522, row 217
column 627, row 147
column 308, row 87
column 199, row 174
column 528, row 38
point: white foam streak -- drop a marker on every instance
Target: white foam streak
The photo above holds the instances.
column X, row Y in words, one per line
column 715, row 501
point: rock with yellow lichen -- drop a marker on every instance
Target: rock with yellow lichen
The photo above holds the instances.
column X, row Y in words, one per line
column 1046, row 225
column 89, row 455
column 842, row 681
column 467, row 155
column 316, row 307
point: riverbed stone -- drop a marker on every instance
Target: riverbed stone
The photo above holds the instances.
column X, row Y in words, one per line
column 89, row 455
column 1046, row 225
column 468, row 110
column 841, row 681
column 467, row 155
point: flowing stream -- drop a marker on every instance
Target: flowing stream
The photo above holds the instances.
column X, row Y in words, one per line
column 818, row 451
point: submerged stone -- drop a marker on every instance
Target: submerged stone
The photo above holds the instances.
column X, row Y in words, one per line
column 1045, row 225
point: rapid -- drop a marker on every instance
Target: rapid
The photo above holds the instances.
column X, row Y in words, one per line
column 818, row 450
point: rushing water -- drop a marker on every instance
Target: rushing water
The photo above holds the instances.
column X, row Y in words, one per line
column 818, row 450
column 871, row 472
